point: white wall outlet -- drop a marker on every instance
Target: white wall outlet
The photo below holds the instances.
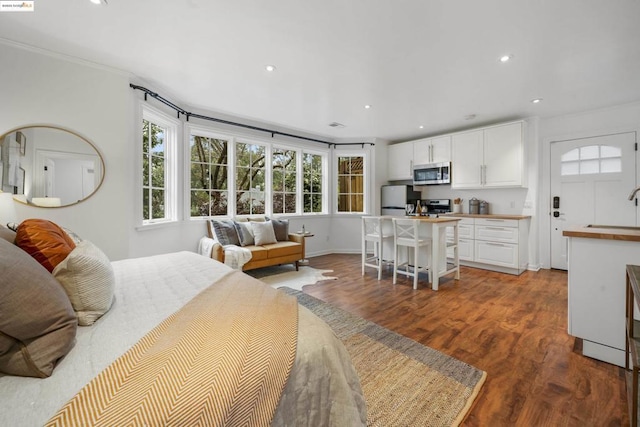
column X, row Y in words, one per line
column 512, row 204
column 528, row 204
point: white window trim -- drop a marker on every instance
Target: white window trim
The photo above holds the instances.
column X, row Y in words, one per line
column 325, row 181
column 366, row 157
column 267, row 172
column 171, row 165
column 231, row 183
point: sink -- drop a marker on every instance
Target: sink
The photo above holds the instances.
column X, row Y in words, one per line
column 615, row 227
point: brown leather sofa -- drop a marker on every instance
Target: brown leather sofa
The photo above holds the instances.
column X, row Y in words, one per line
column 282, row 252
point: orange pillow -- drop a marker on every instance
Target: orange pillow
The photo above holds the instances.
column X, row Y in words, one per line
column 45, row 241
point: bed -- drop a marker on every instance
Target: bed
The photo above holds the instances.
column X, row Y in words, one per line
column 321, row 388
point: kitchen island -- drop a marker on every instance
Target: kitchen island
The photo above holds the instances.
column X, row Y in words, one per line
column 435, row 228
column 598, row 255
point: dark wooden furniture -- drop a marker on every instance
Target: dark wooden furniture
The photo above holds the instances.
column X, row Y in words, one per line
column 632, row 360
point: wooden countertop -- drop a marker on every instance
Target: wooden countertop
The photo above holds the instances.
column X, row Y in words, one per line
column 491, row 216
column 631, row 234
column 442, row 218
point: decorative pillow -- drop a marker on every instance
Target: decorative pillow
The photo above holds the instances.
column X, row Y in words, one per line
column 8, row 235
column 263, row 232
column 225, row 232
column 245, row 233
column 45, row 241
column 281, row 228
column 87, row 277
column 37, row 323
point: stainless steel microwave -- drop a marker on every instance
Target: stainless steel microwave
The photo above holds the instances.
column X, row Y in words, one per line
column 432, row 173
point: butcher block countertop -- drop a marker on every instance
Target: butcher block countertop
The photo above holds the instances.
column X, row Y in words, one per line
column 430, row 219
column 607, row 232
column 490, row 216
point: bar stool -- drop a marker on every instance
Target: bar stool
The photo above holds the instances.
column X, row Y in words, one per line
column 405, row 233
column 373, row 230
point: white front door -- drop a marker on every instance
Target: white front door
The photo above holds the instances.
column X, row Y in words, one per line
column 591, row 179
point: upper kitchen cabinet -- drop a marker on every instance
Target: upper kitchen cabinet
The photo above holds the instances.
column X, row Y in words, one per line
column 400, row 161
column 432, row 150
column 489, row 157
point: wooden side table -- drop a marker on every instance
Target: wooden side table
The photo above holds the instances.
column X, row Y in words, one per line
column 306, row 234
column 632, row 353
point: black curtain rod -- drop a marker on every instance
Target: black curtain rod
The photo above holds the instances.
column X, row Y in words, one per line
column 187, row 114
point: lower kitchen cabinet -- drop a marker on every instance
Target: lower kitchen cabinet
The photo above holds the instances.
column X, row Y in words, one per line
column 494, row 242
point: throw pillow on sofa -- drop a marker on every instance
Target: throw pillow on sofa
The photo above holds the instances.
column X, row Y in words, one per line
column 281, row 229
column 225, row 232
column 245, row 233
column 263, row 232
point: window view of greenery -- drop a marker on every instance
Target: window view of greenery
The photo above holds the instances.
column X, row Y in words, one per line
column 209, row 180
column 351, row 184
column 284, row 181
column 312, row 183
column 250, row 179
column 153, row 171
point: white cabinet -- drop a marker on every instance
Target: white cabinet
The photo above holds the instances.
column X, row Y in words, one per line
column 400, row 161
column 494, row 243
column 432, row 150
column 489, row 157
column 466, row 159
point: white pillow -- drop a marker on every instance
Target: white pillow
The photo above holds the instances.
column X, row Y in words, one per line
column 263, row 232
column 87, row 277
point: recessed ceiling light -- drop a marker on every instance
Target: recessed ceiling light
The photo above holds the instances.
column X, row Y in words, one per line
column 506, row 58
column 270, row 67
column 98, row 1
column 420, row 127
column 536, row 101
column 367, row 106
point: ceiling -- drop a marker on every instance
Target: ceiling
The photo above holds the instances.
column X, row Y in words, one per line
column 427, row 63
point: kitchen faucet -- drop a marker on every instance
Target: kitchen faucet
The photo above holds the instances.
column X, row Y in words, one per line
column 633, row 193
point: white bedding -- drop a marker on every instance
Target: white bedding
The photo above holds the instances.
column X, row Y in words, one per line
column 323, row 388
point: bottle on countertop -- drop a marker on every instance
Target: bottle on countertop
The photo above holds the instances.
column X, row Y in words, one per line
column 418, row 208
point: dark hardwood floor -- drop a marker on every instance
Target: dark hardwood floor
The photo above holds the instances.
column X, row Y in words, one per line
column 512, row 327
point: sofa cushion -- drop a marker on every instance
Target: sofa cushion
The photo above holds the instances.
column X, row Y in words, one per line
column 37, row 323
column 263, row 233
column 45, row 241
column 281, row 229
column 258, row 253
column 87, row 277
column 283, row 249
column 245, row 233
column 225, row 232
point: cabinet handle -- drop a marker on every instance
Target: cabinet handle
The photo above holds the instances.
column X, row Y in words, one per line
column 494, row 220
column 496, row 228
column 495, row 244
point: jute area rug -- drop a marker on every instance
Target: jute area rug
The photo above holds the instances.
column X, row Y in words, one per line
column 286, row 275
column 404, row 382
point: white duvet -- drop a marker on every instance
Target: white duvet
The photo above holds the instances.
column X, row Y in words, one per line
column 323, row 388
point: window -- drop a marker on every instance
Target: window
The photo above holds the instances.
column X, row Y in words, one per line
column 351, row 184
column 592, row 159
column 209, row 179
column 158, row 168
column 312, row 179
column 284, row 177
column 250, row 178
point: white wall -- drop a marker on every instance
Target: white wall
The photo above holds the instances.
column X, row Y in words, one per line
column 37, row 88
column 621, row 118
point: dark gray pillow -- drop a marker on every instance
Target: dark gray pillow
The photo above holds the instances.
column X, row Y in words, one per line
column 281, row 228
column 37, row 322
column 225, row 232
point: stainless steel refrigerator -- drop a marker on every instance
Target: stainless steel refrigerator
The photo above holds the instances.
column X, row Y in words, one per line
column 394, row 198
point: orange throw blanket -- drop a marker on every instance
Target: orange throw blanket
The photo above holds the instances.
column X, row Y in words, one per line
column 223, row 359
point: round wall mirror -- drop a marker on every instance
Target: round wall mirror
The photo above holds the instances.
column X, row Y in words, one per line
column 48, row 166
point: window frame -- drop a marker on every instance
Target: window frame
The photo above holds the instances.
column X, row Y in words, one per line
column 171, row 161
column 324, row 155
column 267, row 175
column 208, row 133
column 365, row 185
